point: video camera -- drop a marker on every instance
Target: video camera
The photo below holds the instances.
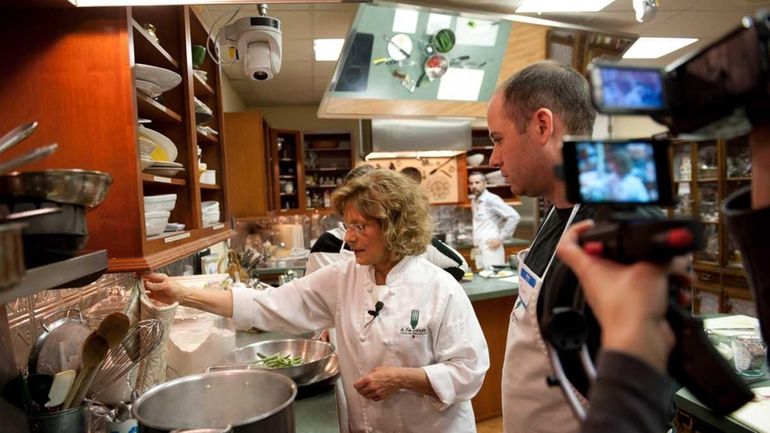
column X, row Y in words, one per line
column 717, row 91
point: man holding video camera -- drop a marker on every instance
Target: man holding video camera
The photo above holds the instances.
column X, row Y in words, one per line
column 630, row 302
column 713, row 95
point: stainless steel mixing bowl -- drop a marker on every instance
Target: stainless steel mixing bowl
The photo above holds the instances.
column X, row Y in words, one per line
column 315, row 354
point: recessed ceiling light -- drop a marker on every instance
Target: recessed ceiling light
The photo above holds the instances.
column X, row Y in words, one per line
column 327, row 49
column 654, row 48
column 539, row 6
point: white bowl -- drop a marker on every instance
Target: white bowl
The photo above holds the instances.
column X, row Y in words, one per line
column 146, row 146
column 155, row 203
column 475, row 160
column 209, row 177
column 155, row 222
column 165, row 150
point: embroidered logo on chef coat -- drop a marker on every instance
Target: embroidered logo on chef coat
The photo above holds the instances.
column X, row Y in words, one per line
column 412, row 329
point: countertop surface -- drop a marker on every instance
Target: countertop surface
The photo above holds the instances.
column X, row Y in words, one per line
column 732, row 423
column 481, row 288
column 512, row 242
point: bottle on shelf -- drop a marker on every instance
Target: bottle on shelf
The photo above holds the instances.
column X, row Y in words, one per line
column 327, row 198
column 308, row 201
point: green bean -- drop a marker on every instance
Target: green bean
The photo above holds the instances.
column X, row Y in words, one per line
column 278, row 360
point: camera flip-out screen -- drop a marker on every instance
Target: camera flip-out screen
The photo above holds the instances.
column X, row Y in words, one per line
column 618, row 89
column 617, row 172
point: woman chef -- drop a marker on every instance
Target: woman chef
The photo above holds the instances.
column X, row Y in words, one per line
column 411, row 350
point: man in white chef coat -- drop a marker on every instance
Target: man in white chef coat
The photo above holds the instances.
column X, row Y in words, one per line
column 493, row 221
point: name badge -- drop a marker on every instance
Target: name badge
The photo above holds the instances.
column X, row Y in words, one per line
column 527, row 283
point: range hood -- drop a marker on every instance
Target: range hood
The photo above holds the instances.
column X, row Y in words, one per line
column 414, row 138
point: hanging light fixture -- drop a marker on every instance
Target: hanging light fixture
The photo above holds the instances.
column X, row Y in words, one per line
column 644, row 10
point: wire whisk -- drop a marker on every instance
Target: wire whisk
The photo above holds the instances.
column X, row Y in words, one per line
column 142, row 339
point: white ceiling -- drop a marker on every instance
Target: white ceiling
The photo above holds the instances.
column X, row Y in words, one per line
column 302, row 81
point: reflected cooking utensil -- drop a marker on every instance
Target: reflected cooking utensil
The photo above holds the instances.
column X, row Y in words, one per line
column 142, row 339
column 28, row 157
column 70, row 186
column 94, row 349
column 16, row 135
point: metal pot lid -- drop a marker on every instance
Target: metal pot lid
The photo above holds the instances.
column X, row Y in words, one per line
column 59, row 347
column 191, row 399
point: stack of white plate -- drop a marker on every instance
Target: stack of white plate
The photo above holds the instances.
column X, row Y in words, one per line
column 210, row 212
column 160, row 160
column 153, row 81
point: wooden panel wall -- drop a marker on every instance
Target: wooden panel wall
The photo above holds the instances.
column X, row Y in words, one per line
column 246, row 164
column 69, row 70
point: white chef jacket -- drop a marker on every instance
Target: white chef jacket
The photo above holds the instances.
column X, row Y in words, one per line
column 492, row 219
column 427, row 321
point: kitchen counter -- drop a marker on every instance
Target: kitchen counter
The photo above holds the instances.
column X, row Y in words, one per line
column 481, row 288
column 512, row 242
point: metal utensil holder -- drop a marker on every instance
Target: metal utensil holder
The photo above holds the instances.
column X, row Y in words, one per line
column 73, row 420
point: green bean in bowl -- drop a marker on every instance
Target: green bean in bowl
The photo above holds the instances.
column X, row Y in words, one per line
column 297, row 358
column 279, row 360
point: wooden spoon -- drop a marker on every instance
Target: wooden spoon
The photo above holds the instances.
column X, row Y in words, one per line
column 94, row 349
column 114, row 328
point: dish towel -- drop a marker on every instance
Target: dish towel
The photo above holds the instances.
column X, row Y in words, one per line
column 152, row 370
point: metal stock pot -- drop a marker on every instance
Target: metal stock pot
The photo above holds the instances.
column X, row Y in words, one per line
column 251, row 401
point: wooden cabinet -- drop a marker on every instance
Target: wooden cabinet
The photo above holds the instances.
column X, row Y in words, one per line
column 287, row 169
column 247, row 155
column 328, row 157
column 705, row 173
column 73, row 74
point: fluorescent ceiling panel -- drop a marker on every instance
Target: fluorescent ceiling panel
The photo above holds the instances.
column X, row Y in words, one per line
column 541, row 6
column 654, row 48
column 327, row 50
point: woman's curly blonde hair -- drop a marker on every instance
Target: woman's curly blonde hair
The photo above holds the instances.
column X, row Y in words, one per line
column 396, row 202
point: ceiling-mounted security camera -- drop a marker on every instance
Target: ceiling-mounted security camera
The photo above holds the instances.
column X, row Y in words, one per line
column 645, row 9
column 258, row 43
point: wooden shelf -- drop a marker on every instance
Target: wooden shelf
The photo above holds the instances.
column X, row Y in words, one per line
column 206, row 138
column 708, row 179
column 321, row 186
column 201, row 88
column 738, row 179
column 149, row 178
column 286, row 176
column 148, row 50
column 287, row 160
column 288, row 194
column 155, row 111
column 163, row 250
column 211, row 186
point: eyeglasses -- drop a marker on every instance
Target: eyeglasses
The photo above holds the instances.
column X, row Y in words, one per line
column 358, row 228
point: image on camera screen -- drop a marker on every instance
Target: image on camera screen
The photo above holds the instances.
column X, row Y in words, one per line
column 617, row 172
column 632, row 89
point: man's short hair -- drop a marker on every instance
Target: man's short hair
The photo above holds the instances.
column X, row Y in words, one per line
column 554, row 86
column 478, row 173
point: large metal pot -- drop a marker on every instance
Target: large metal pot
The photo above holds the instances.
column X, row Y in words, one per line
column 251, row 401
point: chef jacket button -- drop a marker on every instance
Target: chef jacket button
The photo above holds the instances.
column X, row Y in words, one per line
column 362, row 338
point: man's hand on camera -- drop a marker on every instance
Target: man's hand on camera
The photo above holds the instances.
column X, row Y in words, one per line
column 629, row 301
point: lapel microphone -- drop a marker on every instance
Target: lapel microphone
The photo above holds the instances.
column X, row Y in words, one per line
column 374, row 313
column 377, row 308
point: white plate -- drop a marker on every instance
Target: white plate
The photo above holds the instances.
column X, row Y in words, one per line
column 402, row 41
column 165, row 151
column 164, row 78
column 161, row 164
column 148, row 88
column 495, row 274
column 163, row 171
